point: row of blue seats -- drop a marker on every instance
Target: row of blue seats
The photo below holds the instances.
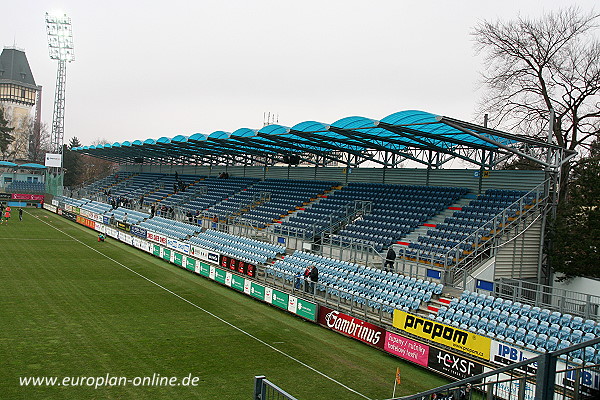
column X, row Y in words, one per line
column 474, row 302
column 361, row 285
column 235, row 248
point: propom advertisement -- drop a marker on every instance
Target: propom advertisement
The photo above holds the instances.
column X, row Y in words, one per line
column 465, row 341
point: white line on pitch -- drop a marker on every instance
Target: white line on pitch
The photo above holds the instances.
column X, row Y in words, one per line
column 212, row 315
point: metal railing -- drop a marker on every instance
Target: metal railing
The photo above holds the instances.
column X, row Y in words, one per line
column 556, row 375
column 584, row 305
column 461, row 262
column 267, row 390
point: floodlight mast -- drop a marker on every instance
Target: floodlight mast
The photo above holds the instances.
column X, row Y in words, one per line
column 60, row 45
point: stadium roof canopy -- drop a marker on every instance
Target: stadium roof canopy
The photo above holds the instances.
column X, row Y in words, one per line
column 32, row 166
column 420, row 136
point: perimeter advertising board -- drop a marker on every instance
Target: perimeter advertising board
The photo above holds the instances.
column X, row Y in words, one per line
column 306, row 309
column 203, row 268
column 190, row 264
column 406, row 349
column 505, row 354
column 138, row 231
column 124, row 226
column 86, row 222
column 178, row 246
column 50, row 207
column 204, row 254
column 353, row 327
column 279, row 299
column 178, row 259
column 220, row 275
column 155, row 237
column 237, row 282
column 257, row 291
column 453, row 365
column 25, row 196
column 461, row 340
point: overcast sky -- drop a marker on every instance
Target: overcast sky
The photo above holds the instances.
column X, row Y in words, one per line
column 146, row 69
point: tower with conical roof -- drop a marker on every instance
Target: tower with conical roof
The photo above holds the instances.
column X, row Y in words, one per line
column 20, row 99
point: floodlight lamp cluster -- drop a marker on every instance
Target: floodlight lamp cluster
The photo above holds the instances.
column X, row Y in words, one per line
column 60, row 37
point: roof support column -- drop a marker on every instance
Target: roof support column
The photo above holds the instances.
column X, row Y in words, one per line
column 481, row 171
column 386, row 157
column 429, row 161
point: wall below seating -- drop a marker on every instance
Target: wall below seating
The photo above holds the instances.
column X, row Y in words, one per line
column 469, row 178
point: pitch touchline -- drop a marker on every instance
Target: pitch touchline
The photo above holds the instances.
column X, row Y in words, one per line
column 211, row 314
column 23, row 239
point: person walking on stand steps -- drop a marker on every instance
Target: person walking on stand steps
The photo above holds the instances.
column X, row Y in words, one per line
column 390, row 257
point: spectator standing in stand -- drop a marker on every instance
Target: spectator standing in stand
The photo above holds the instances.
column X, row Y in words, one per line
column 313, row 278
column 390, row 257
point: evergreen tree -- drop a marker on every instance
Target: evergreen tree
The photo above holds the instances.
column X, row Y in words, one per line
column 72, row 164
column 576, row 233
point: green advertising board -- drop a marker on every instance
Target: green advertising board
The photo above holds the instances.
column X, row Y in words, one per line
column 178, row 259
column 156, row 250
column 190, row 264
column 204, row 268
column 166, row 254
column 237, row 282
column 257, row 291
column 280, row 299
column 220, row 275
column 307, row 310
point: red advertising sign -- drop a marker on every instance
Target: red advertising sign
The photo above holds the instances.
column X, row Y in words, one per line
column 156, row 237
column 353, row 327
column 87, row 222
column 406, row 349
column 25, row 196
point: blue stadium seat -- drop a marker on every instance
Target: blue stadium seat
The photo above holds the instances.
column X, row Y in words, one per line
column 485, row 312
column 532, row 324
column 554, row 317
column 523, row 322
column 510, row 331
column 530, row 337
column 576, row 323
column 482, row 324
column 553, row 330
column 544, row 315
column 576, row 336
column 541, row 340
column 565, row 320
column 588, row 326
column 543, row 327
column 564, row 333
column 552, row 343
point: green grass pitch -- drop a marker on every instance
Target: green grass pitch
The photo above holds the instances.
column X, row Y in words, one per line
column 68, row 308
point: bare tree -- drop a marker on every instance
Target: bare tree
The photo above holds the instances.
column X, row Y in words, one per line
column 535, row 65
column 39, row 141
column 95, row 168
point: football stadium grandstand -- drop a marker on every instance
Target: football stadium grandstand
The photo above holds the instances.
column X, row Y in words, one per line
column 469, row 296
